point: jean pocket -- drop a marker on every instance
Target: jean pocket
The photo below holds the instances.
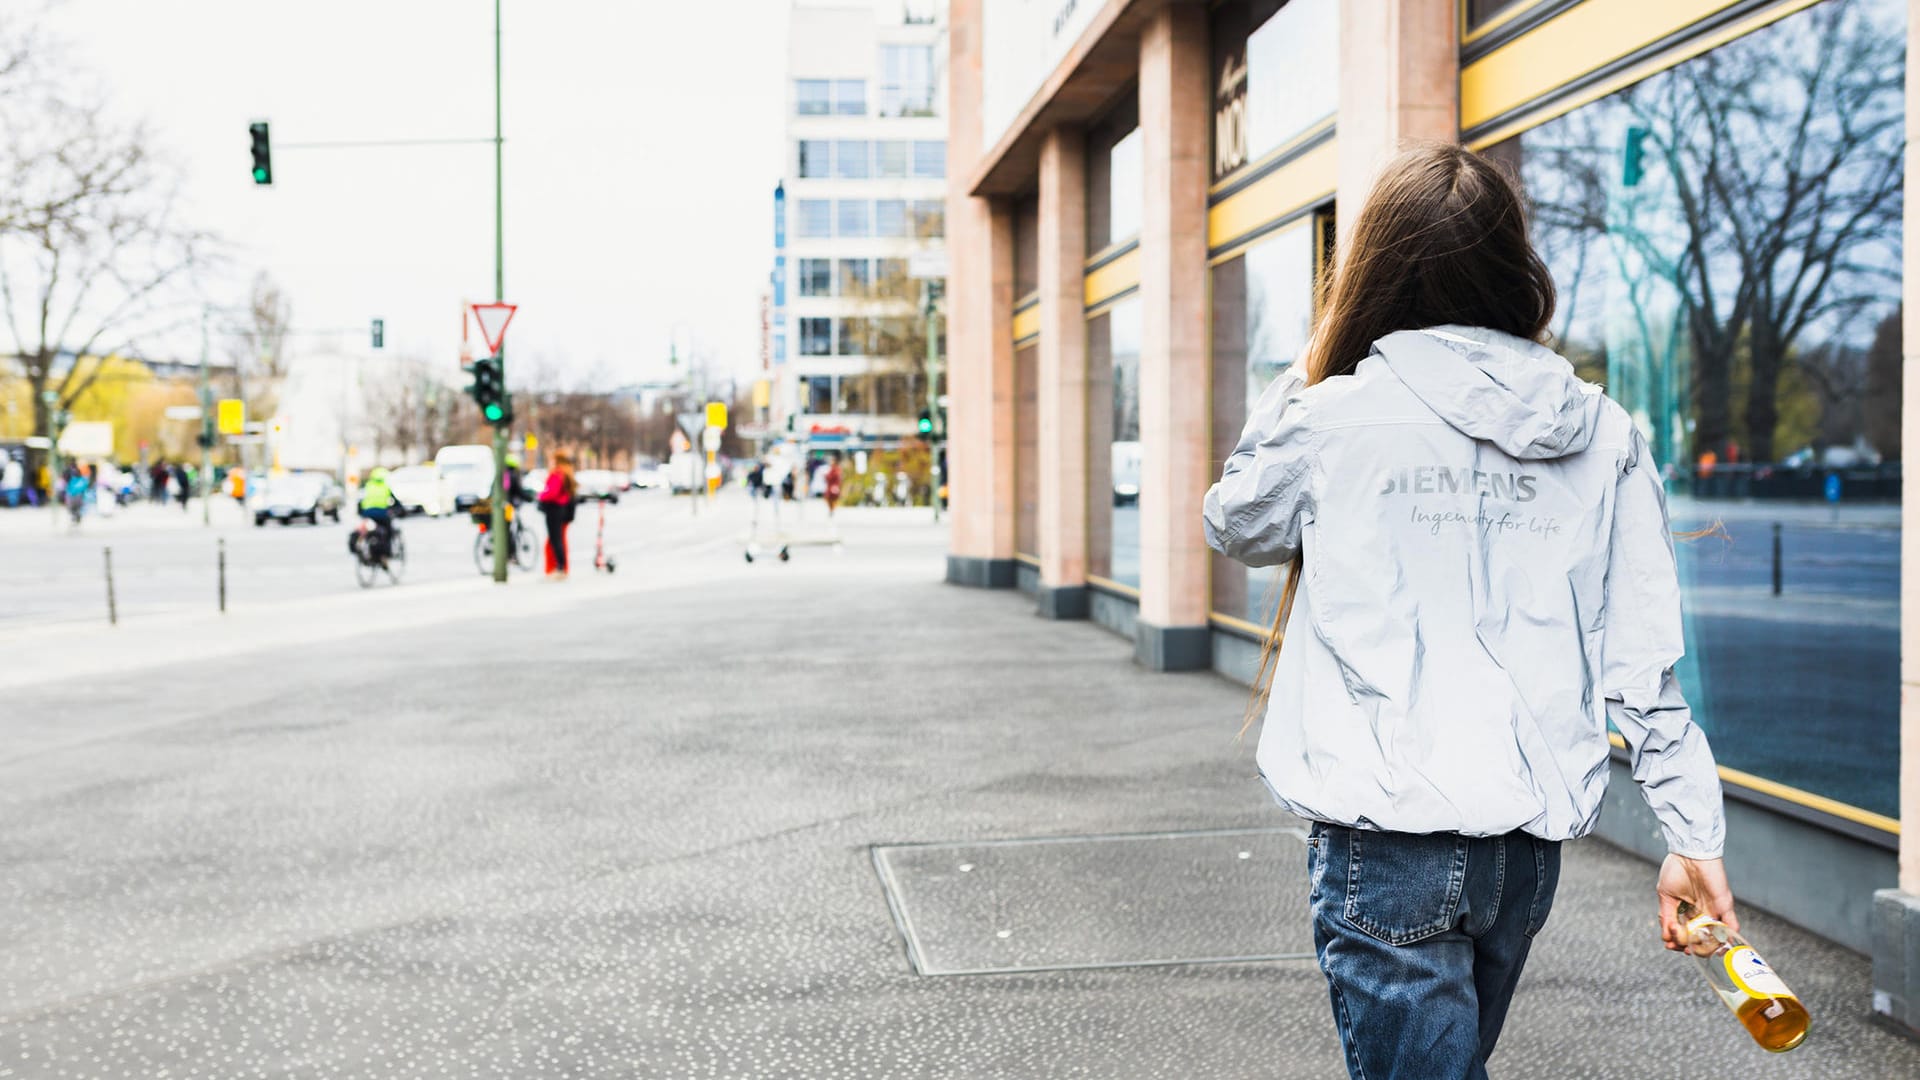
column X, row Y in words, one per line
column 1403, row 887
column 1546, row 880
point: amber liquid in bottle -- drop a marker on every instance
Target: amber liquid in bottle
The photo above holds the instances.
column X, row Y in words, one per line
column 1778, row 1032
column 1759, row 999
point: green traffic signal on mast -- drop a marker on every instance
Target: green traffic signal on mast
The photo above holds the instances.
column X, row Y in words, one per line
column 262, row 153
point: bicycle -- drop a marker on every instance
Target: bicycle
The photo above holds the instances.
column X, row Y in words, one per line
column 369, row 559
column 520, row 552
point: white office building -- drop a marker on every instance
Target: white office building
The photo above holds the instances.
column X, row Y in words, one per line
column 861, row 211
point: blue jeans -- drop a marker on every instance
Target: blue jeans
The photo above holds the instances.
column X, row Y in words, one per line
column 1422, row 938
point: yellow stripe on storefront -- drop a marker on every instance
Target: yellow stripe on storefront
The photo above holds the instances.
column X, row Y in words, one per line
column 1115, row 277
column 1294, row 186
column 1795, row 796
column 1026, row 322
column 1585, row 38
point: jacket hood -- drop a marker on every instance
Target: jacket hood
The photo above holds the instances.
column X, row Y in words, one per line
column 1518, row 395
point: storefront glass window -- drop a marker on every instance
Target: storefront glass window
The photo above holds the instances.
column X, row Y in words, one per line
column 1113, row 443
column 1123, row 189
column 1726, row 240
column 1026, row 449
column 1262, row 317
column 1276, row 73
column 819, row 390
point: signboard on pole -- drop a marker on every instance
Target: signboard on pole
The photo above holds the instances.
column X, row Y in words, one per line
column 232, row 416
column 493, row 320
column 716, row 414
column 183, row 412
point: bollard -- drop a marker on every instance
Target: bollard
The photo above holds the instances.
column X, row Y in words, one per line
column 113, row 610
column 1776, row 558
column 223, row 575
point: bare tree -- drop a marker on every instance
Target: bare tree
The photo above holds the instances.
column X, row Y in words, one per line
column 93, row 255
column 258, row 347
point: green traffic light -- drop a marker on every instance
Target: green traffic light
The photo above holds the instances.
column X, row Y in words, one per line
column 259, row 176
column 495, row 412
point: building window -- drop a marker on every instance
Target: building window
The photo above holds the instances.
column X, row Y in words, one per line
column 853, row 217
column 1124, row 192
column 850, row 97
column 856, row 277
column 854, row 335
column 1026, row 449
column 891, row 158
column 1113, row 443
column 929, row 218
column 816, row 277
column 850, row 159
column 816, row 336
column 1262, row 316
column 889, row 336
column 811, row 97
column 856, row 394
column 813, row 218
column 890, row 280
column 892, row 395
column 930, row 159
column 906, row 80
column 1765, row 375
column 819, row 391
column 890, row 217
column 813, row 159
column 1479, row 11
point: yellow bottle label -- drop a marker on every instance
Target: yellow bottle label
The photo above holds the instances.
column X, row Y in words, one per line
column 1752, row 975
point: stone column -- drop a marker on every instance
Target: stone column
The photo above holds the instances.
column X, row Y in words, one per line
column 1399, row 80
column 1896, row 912
column 1063, row 375
column 980, row 445
column 1171, row 632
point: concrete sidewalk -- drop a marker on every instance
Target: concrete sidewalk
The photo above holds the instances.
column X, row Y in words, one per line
column 636, row 835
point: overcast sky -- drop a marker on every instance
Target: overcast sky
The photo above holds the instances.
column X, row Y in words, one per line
column 643, row 144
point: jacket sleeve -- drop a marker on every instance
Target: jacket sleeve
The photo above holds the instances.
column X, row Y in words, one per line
column 1255, row 513
column 1642, row 641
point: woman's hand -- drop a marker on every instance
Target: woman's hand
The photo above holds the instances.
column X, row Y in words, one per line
column 1700, row 882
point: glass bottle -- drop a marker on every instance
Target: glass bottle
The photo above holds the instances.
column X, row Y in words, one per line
column 1758, row 998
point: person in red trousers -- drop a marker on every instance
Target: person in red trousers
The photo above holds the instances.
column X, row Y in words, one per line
column 556, row 505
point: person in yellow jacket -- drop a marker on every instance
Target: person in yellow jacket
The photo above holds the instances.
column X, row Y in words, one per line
column 376, row 505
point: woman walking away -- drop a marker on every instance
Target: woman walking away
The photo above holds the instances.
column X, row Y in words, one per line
column 1482, row 576
column 556, row 505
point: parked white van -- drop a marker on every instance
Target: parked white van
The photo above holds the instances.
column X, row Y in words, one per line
column 468, row 471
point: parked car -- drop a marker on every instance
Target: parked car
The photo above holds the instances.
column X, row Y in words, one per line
column 296, row 496
column 647, row 476
column 421, row 489
column 597, row 484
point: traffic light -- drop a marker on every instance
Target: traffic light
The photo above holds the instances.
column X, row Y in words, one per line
column 1634, row 167
column 926, row 421
column 379, row 333
column 262, row 153
column 489, row 391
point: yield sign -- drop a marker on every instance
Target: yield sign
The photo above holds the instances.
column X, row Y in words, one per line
column 493, row 320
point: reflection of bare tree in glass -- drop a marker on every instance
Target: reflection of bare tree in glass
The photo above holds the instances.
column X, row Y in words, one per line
column 1777, row 211
column 1785, row 150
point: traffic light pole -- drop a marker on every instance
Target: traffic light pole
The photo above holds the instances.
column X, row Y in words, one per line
column 206, row 427
column 939, row 432
column 498, row 502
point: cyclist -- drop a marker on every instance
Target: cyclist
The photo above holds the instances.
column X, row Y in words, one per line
column 376, row 505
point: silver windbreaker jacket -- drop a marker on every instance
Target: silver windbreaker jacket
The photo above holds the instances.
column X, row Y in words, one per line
column 1489, row 579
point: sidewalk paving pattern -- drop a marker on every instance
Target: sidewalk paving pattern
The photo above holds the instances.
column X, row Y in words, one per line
column 640, row 827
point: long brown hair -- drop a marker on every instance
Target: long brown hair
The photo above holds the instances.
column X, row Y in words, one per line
column 1442, row 238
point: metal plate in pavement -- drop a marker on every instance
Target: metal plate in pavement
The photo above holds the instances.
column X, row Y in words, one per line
column 1056, row 903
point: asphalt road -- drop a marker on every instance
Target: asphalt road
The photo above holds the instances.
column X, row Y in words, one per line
column 625, row 827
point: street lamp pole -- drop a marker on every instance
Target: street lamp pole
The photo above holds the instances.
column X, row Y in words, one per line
column 498, row 524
